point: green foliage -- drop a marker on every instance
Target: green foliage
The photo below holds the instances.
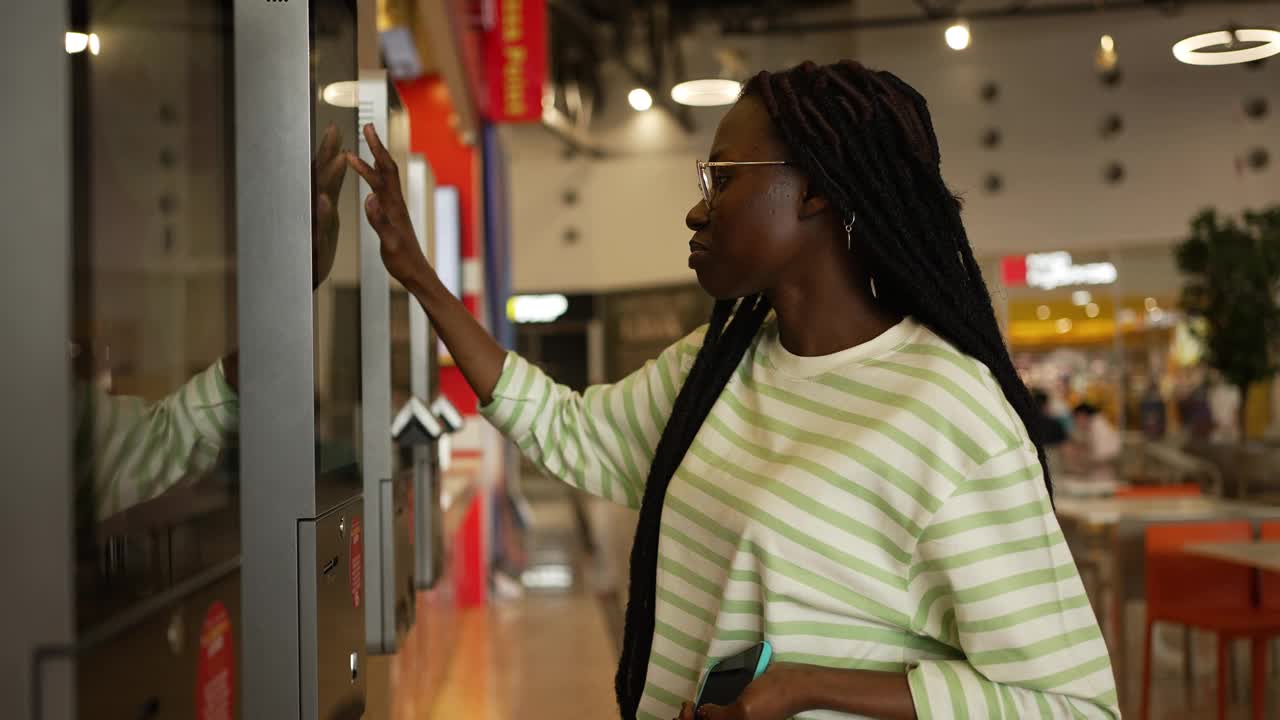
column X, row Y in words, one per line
column 1233, row 282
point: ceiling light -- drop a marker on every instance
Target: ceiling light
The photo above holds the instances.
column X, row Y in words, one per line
column 1106, row 59
column 1064, row 325
column 640, row 99
column 1043, row 312
column 1081, row 297
column 536, row 308
column 958, row 36
column 344, row 94
column 76, row 42
column 708, row 92
column 1191, row 50
column 1091, row 310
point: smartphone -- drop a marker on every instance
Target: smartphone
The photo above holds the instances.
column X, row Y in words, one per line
column 728, row 678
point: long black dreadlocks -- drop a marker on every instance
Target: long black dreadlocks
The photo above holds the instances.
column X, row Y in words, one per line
column 866, row 139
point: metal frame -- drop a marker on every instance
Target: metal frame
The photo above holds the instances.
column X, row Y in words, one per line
column 375, row 398
column 281, row 526
column 420, row 195
column 35, row 516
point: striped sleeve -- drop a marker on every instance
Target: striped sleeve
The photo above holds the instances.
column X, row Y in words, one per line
column 133, row 451
column 602, row 440
column 992, row 576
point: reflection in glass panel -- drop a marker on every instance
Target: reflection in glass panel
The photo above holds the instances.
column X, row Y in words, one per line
column 154, row 330
column 336, row 269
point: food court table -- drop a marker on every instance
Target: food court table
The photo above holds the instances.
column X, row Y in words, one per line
column 1261, row 554
column 1123, row 522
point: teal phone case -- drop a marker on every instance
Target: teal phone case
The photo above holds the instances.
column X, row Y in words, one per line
column 766, row 655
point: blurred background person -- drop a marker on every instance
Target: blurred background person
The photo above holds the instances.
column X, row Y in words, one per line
column 1096, row 444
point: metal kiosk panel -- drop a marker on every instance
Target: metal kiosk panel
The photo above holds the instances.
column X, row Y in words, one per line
column 300, row 324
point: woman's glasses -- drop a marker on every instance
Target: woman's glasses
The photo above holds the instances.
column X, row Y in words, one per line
column 707, row 180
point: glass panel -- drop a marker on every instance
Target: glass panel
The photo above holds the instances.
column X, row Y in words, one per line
column 336, row 220
column 154, row 331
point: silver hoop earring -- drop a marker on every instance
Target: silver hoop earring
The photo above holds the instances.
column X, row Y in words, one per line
column 848, row 230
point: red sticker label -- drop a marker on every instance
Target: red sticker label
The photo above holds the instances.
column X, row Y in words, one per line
column 355, row 562
column 215, row 669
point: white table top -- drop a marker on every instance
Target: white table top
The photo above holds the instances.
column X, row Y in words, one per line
column 1262, row 554
column 1111, row 510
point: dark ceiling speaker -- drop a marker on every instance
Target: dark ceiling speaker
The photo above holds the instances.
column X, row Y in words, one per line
column 1256, row 108
column 991, row 138
column 1111, row 126
column 993, row 183
column 570, row 197
column 1114, row 173
column 990, row 92
column 1259, row 159
column 1112, row 77
column 571, row 236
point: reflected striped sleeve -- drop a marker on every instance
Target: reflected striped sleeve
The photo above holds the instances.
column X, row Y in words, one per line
column 129, row 451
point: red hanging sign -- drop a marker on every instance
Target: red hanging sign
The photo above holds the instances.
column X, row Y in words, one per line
column 515, row 61
column 215, row 668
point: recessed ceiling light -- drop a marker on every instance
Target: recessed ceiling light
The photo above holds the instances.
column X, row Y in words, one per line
column 76, row 42
column 640, row 99
column 343, row 94
column 707, row 92
column 958, row 36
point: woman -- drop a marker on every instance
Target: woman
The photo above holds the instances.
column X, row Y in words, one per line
column 839, row 462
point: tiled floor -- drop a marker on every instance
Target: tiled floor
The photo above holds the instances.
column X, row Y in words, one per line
column 546, row 654
column 550, row 656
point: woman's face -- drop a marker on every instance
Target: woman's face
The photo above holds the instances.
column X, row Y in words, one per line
column 751, row 234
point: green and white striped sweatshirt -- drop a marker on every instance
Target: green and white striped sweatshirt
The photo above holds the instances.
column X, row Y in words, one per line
column 880, row 508
column 129, row 451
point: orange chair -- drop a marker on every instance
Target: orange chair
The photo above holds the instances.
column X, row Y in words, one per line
column 1204, row 594
column 1159, row 491
column 1269, row 582
column 1269, row 599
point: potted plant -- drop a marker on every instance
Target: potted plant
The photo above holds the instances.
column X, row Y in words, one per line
column 1232, row 270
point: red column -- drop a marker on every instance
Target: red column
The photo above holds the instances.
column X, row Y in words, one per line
column 454, row 163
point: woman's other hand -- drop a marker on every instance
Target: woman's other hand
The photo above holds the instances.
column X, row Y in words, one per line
column 389, row 215
column 328, row 169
